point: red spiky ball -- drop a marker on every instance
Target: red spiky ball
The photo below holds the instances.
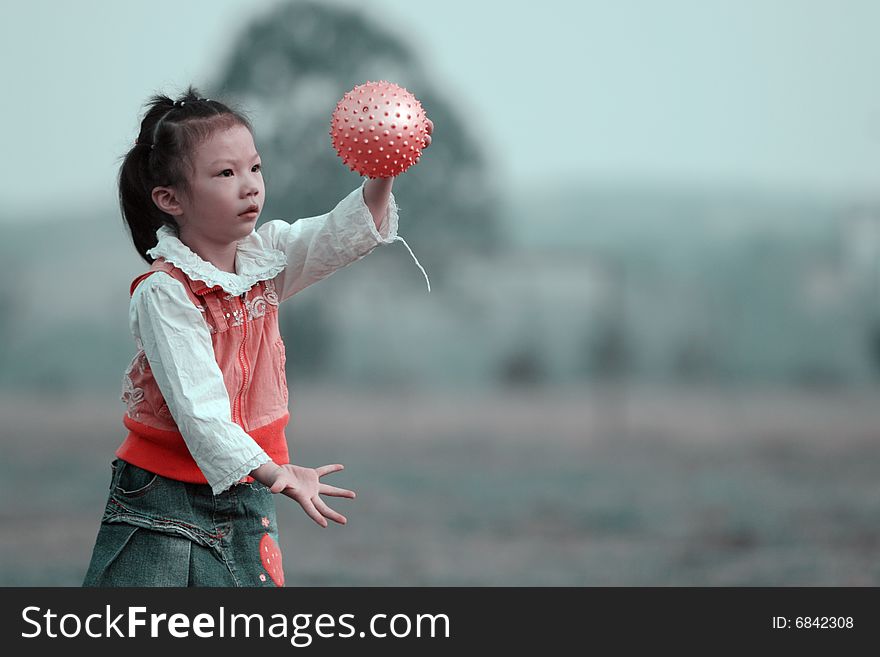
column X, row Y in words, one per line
column 379, row 129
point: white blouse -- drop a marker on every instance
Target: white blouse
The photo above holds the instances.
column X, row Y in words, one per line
column 177, row 342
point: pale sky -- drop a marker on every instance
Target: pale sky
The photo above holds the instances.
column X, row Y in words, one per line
column 772, row 93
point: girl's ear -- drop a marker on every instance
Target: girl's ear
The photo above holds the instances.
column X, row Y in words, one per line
column 167, row 200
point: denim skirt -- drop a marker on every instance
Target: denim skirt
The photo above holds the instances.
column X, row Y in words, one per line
column 157, row 531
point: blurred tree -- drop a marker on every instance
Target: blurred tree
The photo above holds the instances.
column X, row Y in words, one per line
column 308, row 328
column 873, row 345
column 8, row 301
column 289, row 69
column 610, row 351
column 692, row 358
column 522, row 367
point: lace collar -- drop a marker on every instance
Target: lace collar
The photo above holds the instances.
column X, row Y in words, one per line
column 254, row 262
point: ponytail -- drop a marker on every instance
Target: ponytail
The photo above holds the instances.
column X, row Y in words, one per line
column 162, row 155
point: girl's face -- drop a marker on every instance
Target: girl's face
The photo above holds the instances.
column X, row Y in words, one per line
column 226, row 190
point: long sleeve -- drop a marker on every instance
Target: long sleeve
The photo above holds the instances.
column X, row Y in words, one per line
column 318, row 246
column 177, row 344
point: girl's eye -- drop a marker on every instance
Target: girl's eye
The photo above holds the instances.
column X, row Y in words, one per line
column 228, row 172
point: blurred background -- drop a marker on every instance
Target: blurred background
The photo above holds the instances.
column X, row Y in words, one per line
column 651, row 352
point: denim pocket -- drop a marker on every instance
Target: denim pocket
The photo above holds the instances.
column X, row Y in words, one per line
column 132, row 481
column 145, row 499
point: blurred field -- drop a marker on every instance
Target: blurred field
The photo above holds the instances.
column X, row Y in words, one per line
column 533, row 487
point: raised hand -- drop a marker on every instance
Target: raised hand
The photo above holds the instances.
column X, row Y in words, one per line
column 430, row 131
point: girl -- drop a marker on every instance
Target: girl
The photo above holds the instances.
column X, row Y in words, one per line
column 190, row 500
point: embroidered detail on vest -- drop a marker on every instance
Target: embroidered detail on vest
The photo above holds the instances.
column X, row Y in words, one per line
column 237, row 315
column 256, row 307
column 270, row 293
column 132, row 396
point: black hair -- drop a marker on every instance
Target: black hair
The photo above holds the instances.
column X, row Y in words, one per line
column 161, row 156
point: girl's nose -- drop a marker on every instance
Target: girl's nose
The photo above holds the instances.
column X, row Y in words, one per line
column 251, row 188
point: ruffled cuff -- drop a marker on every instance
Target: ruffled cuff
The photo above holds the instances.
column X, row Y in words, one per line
column 242, row 471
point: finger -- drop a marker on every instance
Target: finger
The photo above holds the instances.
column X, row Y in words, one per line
column 313, row 513
column 427, row 141
column 327, row 489
column 278, row 486
column 327, row 511
column 328, row 469
column 430, row 126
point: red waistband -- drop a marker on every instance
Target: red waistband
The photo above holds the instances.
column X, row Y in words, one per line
column 166, row 453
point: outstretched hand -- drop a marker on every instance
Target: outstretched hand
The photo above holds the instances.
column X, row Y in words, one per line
column 304, row 486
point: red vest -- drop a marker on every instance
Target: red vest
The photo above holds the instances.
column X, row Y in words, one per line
column 250, row 352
